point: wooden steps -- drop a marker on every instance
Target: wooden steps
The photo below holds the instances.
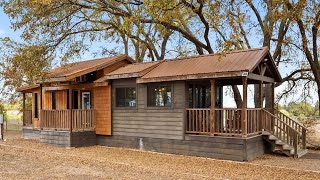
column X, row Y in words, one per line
column 280, row 146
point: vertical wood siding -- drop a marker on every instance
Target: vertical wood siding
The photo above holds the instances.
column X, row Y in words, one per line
column 102, row 106
column 152, row 122
column 61, row 100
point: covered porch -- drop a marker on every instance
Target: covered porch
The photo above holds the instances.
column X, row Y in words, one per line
column 207, row 115
column 61, row 108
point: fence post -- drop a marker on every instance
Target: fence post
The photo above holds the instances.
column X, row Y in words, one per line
column 212, row 109
column 304, row 137
column 295, row 145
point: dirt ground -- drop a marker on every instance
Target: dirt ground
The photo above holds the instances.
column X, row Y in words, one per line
column 27, row 159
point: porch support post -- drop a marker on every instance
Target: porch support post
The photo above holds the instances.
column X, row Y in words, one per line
column 70, row 109
column 244, row 118
column 40, row 113
column 24, row 108
column 260, row 124
column 213, row 103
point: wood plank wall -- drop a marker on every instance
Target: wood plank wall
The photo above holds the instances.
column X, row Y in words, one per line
column 102, row 106
column 61, row 100
column 144, row 121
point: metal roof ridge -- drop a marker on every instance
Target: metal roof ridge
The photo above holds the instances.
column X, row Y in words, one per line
column 205, row 55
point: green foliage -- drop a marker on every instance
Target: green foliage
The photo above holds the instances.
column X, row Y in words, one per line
column 22, row 64
column 300, row 109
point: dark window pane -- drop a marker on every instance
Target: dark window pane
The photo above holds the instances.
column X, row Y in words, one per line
column 159, row 96
column 36, row 113
column 126, row 97
column 53, row 101
column 75, row 100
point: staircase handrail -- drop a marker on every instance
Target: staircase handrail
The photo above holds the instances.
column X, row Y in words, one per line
column 296, row 135
column 295, row 121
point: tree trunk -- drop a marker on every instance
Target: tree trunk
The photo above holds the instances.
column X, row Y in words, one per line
column 268, row 96
column 237, row 96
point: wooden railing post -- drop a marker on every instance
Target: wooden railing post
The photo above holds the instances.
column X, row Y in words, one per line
column 24, row 108
column 213, row 103
column 244, row 118
column 304, row 137
column 295, row 145
column 70, row 109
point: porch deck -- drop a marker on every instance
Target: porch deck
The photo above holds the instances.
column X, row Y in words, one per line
column 237, row 122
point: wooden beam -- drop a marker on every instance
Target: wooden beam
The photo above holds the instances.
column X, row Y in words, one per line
column 70, row 109
column 66, row 87
column 190, row 77
column 260, row 78
column 213, row 103
column 244, row 118
column 23, row 107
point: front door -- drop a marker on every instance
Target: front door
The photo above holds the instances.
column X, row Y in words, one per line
column 86, row 100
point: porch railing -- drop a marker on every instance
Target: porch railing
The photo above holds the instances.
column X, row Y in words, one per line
column 60, row 119
column 27, row 117
column 227, row 121
column 288, row 133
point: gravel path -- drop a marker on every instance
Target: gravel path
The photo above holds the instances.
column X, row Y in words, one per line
column 27, row 159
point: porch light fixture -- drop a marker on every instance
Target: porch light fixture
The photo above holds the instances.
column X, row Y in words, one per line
column 245, row 73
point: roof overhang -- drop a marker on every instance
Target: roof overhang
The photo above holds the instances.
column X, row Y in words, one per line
column 86, row 71
column 28, row 88
column 193, row 77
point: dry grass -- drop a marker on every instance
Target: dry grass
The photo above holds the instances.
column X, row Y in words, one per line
column 27, row 159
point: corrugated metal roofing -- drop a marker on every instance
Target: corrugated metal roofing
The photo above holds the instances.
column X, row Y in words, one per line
column 78, row 67
column 234, row 61
column 134, row 68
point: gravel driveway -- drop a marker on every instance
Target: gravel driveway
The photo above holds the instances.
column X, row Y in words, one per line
column 27, row 159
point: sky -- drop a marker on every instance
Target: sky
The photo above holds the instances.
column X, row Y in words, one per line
column 6, row 31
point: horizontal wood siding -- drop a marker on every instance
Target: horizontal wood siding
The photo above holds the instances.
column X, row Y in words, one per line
column 144, row 121
column 102, row 106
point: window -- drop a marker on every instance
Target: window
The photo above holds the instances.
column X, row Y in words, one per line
column 36, row 112
column 126, row 97
column 53, row 100
column 75, row 100
column 86, row 100
column 159, row 96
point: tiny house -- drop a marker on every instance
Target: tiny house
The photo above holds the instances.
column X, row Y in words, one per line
column 172, row 106
column 68, row 108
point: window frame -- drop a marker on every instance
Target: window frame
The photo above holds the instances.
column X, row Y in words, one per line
column 159, row 85
column 125, row 107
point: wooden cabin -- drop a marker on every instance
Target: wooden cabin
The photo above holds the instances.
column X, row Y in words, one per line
column 68, row 108
column 176, row 106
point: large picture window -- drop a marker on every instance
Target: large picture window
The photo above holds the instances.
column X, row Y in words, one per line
column 126, row 97
column 159, row 96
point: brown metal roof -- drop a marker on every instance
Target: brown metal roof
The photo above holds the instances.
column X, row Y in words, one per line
column 132, row 70
column 80, row 68
column 234, row 61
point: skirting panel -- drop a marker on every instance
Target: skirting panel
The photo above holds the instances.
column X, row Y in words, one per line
column 67, row 139
column 237, row 149
column 30, row 133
